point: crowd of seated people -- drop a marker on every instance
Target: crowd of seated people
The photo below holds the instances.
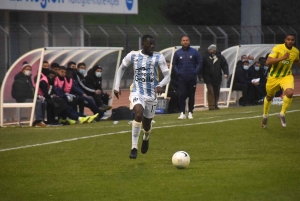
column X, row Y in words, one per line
column 251, row 80
column 60, row 93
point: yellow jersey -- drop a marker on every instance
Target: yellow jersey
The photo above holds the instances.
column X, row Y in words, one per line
column 283, row 67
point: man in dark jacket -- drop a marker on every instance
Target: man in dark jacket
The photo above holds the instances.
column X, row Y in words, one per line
column 257, row 74
column 211, row 72
column 90, row 90
column 242, row 82
column 187, row 62
column 23, row 92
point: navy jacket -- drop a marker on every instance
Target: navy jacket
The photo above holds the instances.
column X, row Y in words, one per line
column 242, row 76
column 187, row 63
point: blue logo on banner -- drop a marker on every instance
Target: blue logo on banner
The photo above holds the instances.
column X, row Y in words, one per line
column 129, row 4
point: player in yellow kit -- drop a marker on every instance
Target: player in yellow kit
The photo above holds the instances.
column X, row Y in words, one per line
column 282, row 57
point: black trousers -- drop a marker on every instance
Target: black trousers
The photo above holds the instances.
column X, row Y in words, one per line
column 174, row 101
column 187, row 89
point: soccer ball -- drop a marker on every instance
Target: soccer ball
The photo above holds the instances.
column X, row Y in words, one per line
column 181, row 159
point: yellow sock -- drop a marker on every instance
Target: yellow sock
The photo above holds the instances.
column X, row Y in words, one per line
column 267, row 105
column 285, row 105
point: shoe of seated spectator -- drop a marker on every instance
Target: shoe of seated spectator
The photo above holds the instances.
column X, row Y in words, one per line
column 71, row 121
column 105, row 107
column 41, row 124
column 92, row 118
column 83, row 119
column 63, row 121
column 55, row 123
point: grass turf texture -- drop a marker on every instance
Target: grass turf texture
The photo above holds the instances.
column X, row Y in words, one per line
column 232, row 158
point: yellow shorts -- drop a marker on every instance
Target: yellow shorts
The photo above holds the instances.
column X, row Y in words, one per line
column 274, row 84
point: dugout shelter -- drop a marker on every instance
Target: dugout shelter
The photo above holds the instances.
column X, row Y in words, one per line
column 13, row 113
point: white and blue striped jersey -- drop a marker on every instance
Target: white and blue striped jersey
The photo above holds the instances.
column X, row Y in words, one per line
column 146, row 72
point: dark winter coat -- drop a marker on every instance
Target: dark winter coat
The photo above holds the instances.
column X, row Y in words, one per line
column 92, row 81
column 22, row 88
column 187, row 64
column 212, row 68
column 241, row 75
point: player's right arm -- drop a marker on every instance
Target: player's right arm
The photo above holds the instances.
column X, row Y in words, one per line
column 273, row 56
column 125, row 63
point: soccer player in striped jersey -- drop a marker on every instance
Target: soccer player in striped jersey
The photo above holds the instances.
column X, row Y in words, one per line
column 145, row 87
column 282, row 57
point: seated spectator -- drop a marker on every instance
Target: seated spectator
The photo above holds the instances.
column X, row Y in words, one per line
column 93, row 80
column 45, row 68
column 59, row 87
column 23, row 92
column 242, row 82
column 256, row 72
column 250, row 59
column 72, row 87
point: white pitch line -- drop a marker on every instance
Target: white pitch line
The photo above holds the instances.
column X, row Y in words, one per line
column 121, row 132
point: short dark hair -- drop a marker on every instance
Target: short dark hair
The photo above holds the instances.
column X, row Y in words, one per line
column 81, row 64
column 54, row 65
column 71, row 63
column 62, row 68
column 145, row 37
column 168, row 61
column 290, row 34
column 261, row 58
column 45, row 62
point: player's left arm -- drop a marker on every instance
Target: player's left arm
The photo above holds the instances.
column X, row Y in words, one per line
column 166, row 73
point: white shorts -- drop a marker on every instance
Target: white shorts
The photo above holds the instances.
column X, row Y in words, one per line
column 149, row 104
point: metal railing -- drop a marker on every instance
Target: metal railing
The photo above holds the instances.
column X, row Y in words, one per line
column 17, row 39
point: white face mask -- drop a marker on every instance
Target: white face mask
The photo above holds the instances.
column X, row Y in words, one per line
column 250, row 62
column 27, row 72
column 257, row 68
column 266, row 67
column 82, row 71
column 98, row 74
column 246, row 67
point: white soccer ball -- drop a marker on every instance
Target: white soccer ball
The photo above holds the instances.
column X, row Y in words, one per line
column 181, row 159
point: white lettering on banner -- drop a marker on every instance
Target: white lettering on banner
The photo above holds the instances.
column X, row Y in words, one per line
column 81, row 6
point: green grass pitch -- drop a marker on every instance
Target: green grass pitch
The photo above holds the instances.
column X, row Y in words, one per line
column 232, row 158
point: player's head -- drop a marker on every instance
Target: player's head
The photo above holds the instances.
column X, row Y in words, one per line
column 71, row 64
column 81, row 68
column 69, row 73
column 62, row 71
column 262, row 61
column 45, row 64
column 148, row 43
column 55, row 67
column 289, row 40
column 185, row 42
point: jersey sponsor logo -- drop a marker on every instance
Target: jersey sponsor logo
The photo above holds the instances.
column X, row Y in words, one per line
column 286, row 62
column 135, row 99
column 143, row 76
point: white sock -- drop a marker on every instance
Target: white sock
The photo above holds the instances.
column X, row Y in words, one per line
column 136, row 129
column 146, row 134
